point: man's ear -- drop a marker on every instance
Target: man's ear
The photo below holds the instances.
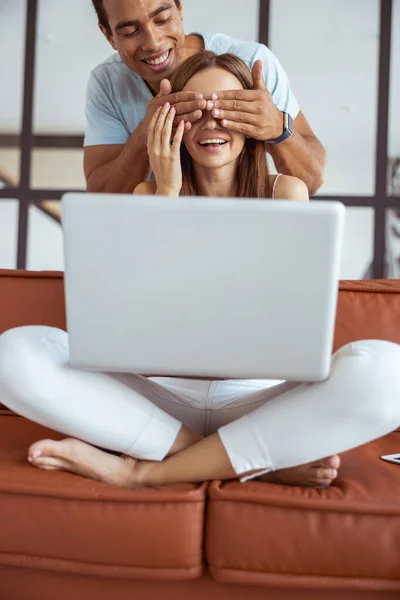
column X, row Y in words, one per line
column 107, row 35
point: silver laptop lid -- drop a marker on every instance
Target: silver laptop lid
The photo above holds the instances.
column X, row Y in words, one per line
column 202, row 287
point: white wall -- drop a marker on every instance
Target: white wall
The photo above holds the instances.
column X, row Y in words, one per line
column 328, row 47
column 394, row 132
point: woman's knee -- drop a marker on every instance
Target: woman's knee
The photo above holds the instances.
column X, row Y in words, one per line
column 370, row 357
column 370, row 371
column 25, row 355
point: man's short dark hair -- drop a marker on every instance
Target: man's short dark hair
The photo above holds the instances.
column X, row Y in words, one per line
column 102, row 15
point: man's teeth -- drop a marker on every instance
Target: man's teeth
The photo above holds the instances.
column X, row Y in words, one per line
column 216, row 141
column 158, row 61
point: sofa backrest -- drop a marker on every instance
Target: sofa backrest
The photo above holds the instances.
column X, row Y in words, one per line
column 366, row 309
column 31, row 298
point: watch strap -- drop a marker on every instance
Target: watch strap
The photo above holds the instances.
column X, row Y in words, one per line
column 288, row 130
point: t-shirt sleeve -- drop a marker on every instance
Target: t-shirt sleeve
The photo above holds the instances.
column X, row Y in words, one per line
column 277, row 81
column 103, row 125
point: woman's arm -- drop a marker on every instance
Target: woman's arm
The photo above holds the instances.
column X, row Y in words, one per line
column 146, row 188
column 291, row 188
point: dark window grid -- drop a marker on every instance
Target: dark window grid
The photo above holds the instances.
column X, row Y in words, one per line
column 380, row 202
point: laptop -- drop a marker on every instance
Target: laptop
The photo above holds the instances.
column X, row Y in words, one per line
column 202, row 287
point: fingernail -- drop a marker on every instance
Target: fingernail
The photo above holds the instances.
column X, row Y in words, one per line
column 216, row 112
column 167, row 105
column 30, row 459
column 173, row 109
column 225, row 123
column 196, row 113
column 199, row 97
column 214, row 97
column 37, row 453
column 210, row 105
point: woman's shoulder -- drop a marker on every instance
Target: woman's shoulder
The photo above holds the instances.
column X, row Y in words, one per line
column 146, row 188
column 287, row 187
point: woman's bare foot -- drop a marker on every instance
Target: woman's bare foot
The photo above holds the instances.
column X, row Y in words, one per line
column 83, row 459
column 320, row 473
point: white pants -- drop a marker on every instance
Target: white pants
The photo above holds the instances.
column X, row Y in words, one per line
column 264, row 425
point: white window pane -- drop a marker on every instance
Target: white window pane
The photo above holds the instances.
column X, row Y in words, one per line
column 58, row 169
column 232, row 17
column 69, row 45
column 9, row 166
column 329, row 48
column 8, row 233
column 45, row 242
column 358, row 244
column 394, row 124
column 12, row 46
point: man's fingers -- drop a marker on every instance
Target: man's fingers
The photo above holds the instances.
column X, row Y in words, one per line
column 236, row 116
column 165, row 88
column 248, row 130
column 236, row 105
column 258, row 76
column 189, row 118
column 185, row 97
column 247, row 95
column 183, row 108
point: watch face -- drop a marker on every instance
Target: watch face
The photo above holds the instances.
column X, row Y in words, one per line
column 286, row 121
column 289, row 123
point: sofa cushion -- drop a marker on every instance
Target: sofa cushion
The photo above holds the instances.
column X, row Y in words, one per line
column 61, row 522
column 346, row 536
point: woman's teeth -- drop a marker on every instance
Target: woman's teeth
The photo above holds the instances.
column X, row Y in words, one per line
column 216, row 141
column 158, row 61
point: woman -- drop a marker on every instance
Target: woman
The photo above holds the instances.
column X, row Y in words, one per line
column 175, row 430
column 213, row 161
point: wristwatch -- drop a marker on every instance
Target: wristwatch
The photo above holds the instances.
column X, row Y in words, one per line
column 288, row 130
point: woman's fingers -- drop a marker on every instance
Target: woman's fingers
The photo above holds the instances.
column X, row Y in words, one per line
column 151, row 128
column 167, row 131
column 176, row 144
column 158, row 131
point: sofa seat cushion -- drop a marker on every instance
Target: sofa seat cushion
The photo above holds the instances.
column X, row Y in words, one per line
column 346, row 536
column 61, row 522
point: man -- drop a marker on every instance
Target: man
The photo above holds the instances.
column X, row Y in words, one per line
column 125, row 91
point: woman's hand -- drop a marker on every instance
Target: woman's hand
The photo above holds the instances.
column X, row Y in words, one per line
column 164, row 155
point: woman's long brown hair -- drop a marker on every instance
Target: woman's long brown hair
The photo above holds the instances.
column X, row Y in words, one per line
column 252, row 171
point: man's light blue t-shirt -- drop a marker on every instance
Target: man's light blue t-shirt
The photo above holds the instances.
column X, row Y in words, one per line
column 117, row 98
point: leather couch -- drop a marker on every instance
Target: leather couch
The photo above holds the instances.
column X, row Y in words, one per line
column 63, row 537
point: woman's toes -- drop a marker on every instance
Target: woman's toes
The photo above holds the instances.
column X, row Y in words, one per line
column 322, row 474
column 332, row 462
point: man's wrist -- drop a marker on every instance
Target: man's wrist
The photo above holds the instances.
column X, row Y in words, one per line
column 286, row 129
column 141, row 132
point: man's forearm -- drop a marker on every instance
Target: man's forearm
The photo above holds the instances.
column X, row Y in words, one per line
column 302, row 157
column 122, row 174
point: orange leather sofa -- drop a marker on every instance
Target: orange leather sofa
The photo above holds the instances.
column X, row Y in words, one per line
column 63, row 537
